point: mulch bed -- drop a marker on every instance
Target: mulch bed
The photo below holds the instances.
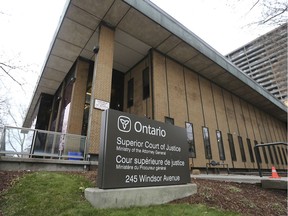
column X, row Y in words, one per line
column 246, row 199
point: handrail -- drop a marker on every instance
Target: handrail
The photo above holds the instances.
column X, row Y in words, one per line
column 257, row 153
column 58, row 140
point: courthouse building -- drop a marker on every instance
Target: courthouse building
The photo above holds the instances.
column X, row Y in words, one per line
column 131, row 56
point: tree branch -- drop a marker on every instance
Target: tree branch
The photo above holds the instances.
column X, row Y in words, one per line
column 254, row 5
column 275, row 15
column 9, row 74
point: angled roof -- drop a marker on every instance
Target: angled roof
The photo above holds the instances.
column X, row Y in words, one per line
column 139, row 26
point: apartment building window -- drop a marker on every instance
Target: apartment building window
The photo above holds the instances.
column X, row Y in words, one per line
column 130, row 93
column 220, row 145
column 145, row 83
column 169, row 120
column 242, row 151
column 190, row 139
column 207, row 145
column 252, row 159
column 232, row 147
column 257, row 152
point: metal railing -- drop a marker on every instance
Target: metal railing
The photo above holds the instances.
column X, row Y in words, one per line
column 32, row 143
column 257, row 153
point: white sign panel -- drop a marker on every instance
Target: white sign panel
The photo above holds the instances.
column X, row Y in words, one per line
column 102, row 105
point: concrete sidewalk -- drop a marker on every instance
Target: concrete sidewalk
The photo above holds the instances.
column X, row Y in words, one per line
column 231, row 178
column 267, row 182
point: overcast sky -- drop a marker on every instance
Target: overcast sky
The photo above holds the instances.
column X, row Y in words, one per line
column 223, row 24
column 28, row 26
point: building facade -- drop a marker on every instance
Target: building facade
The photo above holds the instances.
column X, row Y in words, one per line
column 137, row 59
column 265, row 60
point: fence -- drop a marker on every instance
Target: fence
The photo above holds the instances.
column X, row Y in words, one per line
column 32, row 143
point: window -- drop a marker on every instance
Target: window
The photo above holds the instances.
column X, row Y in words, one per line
column 54, row 113
column 285, row 156
column 250, row 150
column 270, row 154
column 220, row 145
column 66, row 101
column 243, row 155
column 257, row 152
column 117, row 91
column 264, row 153
column 130, row 92
column 207, row 146
column 275, row 153
column 87, row 99
column 169, row 120
column 190, row 139
column 145, row 80
column 280, row 154
column 232, row 147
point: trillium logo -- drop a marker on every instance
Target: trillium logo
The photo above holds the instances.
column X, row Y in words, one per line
column 124, row 124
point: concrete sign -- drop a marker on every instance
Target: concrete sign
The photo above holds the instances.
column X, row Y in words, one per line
column 136, row 152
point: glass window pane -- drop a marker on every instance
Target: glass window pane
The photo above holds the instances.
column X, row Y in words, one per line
column 207, row 146
column 232, row 147
column 275, row 153
column 264, row 153
column 169, row 120
column 220, row 145
column 242, row 151
column 146, row 82
column 257, row 152
column 130, row 96
column 65, row 108
column 250, row 150
column 285, row 156
column 190, row 139
column 280, row 155
column 270, row 154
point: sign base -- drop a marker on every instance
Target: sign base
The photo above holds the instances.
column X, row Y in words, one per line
column 139, row 196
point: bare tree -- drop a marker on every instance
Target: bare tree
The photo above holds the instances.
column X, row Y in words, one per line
column 13, row 68
column 264, row 12
column 15, row 140
column 4, row 107
column 13, row 77
column 9, row 78
column 274, row 12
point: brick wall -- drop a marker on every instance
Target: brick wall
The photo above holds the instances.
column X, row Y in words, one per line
column 184, row 95
column 101, row 86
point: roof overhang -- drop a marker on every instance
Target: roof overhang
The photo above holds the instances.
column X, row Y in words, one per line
column 140, row 26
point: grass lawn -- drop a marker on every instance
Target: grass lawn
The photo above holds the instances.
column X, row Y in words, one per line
column 53, row 193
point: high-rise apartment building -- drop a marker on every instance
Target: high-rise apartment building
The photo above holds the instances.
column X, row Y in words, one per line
column 265, row 61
